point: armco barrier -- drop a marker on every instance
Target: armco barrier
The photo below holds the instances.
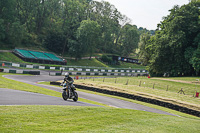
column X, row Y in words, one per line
column 20, row 71
column 139, row 98
column 77, row 68
column 98, row 74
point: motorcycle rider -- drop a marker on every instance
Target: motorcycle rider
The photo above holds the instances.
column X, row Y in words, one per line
column 69, row 90
column 68, row 80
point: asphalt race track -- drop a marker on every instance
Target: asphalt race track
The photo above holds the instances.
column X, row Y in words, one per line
column 14, row 97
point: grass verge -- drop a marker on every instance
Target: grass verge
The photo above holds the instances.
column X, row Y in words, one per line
column 90, row 119
column 7, row 56
column 85, row 62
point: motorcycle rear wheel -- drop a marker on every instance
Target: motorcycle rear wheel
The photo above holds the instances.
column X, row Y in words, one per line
column 65, row 95
column 75, row 96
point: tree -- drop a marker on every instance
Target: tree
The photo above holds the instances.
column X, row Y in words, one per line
column 16, row 34
column 74, row 13
column 54, row 41
column 109, row 18
column 196, row 61
column 2, row 30
column 195, row 55
column 130, row 39
column 144, row 55
column 88, row 35
column 7, row 18
column 172, row 48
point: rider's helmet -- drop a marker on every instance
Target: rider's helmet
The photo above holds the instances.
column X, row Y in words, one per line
column 66, row 74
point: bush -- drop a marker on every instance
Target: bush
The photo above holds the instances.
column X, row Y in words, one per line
column 107, row 59
column 54, row 41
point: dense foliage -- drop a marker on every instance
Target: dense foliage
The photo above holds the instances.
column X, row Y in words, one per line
column 175, row 48
column 75, row 27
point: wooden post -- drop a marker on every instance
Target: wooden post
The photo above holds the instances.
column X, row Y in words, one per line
column 93, row 78
column 167, row 88
column 153, row 85
column 127, row 82
column 103, row 79
column 115, row 80
column 140, row 83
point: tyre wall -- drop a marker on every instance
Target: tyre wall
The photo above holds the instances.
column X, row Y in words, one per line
column 138, row 98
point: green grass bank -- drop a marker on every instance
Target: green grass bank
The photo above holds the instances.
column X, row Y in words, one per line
column 90, row 119
column 10, row 57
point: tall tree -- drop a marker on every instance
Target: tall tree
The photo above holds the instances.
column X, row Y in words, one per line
column 173, row 45
column 88, row 35
column 130, row 39
column 144, row 55
column 54, row 41
column 109, row 18
column 11, row 30
column 73, row 14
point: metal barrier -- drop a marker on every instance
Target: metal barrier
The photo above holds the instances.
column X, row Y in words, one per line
column 20, row 71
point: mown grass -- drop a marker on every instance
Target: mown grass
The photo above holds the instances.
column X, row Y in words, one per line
column 85, row 62
column 16, row 85
column 90, row 119
column 163, row 90
column 7, row 56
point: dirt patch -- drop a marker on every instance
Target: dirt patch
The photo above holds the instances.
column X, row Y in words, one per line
column 180, row 81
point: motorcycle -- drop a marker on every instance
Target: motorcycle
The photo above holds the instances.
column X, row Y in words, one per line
column 69, row 92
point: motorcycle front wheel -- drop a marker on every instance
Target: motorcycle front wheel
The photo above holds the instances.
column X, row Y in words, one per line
column 75, row 96
column 65, row 95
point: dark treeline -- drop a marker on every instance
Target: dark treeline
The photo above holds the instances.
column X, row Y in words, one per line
column 75, row 27
column 175, row 48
